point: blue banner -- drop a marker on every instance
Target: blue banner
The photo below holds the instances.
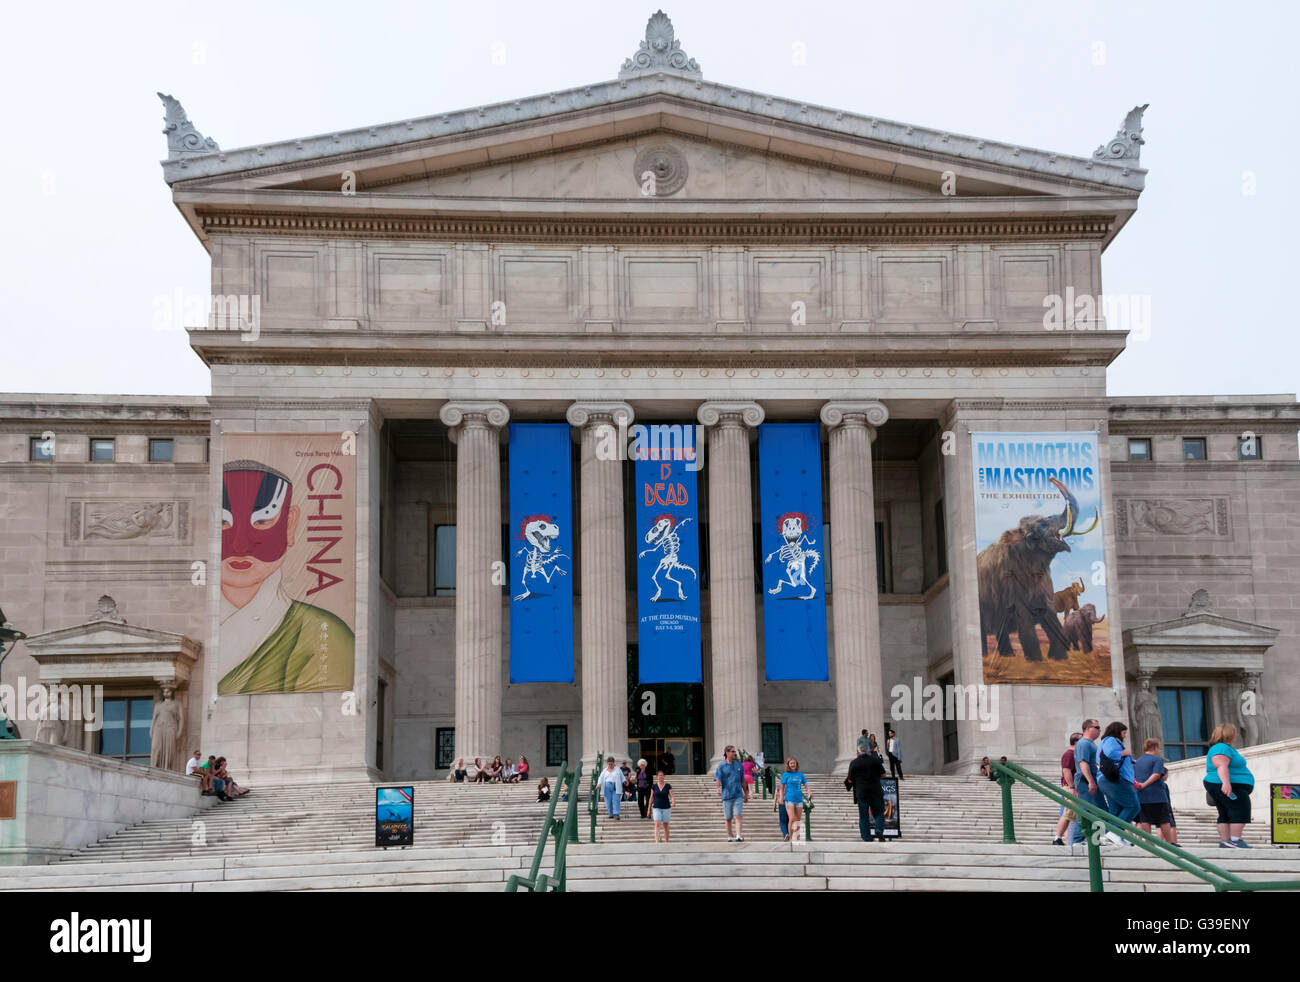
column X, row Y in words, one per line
column 668, row 555
column 541, row 553
column 792, row 544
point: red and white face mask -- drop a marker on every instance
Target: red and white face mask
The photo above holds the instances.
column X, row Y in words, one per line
column 254, row 515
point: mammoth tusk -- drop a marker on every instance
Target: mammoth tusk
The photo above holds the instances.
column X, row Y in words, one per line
column 1069, row 521
column 1070, row 528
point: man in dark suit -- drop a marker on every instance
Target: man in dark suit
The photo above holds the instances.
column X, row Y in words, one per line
column 865, row 772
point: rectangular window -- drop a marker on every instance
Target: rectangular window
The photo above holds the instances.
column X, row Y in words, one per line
column 101, row 449
column 444, row 577
column 940, row 538
column 1248, row 448
column 557, row 745
column 1139, row 449
column 444, row 740
column 773, row 744
column 160, row 451
column 125, row 733
column 38, row 448
column 1194, row 448
column 1185, row 725
column 950, row 743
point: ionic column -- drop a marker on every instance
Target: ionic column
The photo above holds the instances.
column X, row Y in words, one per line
column 476, row 430
column 604, row 587
column 734, row 635
column 859, row 689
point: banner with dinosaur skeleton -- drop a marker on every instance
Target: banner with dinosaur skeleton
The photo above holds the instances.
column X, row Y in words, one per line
column 668, row 555
column 1039, row 562
column 793, row 548
column 541, row 553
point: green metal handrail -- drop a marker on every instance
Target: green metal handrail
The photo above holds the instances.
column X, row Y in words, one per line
column 1102, row 821
column 593, row 802
column 565, row 831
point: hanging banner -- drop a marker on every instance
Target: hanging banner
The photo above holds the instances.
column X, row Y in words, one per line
column 541, row 553
column 668, row 555
column 288, row 563
column 1040, row 558
column 792, row 544
column 395, row 816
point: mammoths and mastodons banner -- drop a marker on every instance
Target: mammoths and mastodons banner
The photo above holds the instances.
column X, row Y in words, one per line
column 793, row 546
column 288, row 562
column 541, row 553
column 667, row 556
column 1040, row 562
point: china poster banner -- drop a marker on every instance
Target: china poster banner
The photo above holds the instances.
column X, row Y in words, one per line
column 395, row 816
column 792, row 544
column 668, row 555
column 288, row 563
column 1040, row 559
column 541, row 553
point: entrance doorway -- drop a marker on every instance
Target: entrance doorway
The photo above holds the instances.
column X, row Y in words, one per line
column 665, row 717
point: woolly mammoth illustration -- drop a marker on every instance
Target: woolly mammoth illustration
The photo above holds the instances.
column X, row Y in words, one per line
column 1078, row 627
column 1015, row 582
column 1068, row 599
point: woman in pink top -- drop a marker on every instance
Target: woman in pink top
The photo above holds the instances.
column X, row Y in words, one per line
column 749, row 770
column 523, row 769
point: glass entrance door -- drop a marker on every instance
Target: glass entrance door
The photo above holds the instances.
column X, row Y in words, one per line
column 676, row 755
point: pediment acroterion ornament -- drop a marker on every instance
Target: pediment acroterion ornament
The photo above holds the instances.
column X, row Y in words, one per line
column 660, row 52
column 1127, row 144
column 183, row 139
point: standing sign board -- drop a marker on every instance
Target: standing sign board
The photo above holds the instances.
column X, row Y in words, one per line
column 394, row 816
column 1284, row 814
column 893, row 828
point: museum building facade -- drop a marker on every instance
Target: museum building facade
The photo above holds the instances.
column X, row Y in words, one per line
column 346, row 562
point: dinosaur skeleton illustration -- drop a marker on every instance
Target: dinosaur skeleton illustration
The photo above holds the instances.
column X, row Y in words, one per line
column 663, row 535
column 795, row 555
column 540, row 533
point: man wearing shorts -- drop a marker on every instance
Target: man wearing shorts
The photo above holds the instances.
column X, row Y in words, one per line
column 1153, row 796
column 730, row 779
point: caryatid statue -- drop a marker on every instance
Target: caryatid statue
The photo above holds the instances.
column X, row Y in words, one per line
column 1147, row 723
column 165, row 733
column 1254, row 720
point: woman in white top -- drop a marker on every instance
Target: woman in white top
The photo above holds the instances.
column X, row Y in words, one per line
column 610, row 785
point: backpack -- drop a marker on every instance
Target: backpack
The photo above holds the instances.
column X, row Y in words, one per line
column 1109, row 769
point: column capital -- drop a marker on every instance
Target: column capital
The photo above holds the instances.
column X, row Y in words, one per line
column 456, row 415
column 732, row 413
column 597, row 413
column 868, row 413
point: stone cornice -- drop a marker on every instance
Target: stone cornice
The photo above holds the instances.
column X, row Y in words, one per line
column 93, row 410
column 658, row 230
column 331, row 404
column 1049, row 354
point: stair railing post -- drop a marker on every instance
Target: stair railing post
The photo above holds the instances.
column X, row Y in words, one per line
column 1008, row 816
column 1094, row 856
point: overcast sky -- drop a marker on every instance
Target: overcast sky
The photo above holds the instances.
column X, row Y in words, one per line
column 91, row 237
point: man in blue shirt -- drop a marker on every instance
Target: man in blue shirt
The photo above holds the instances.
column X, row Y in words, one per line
column 730, row 779
column 1085, row 776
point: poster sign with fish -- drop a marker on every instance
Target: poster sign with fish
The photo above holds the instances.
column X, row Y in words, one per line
column 394, row 816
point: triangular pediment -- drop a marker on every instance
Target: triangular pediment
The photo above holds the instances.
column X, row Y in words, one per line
column 1205, row 628
column 107, row 637
column 588, row 146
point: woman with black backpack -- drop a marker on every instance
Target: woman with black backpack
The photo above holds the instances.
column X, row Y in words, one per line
column 1116, row 778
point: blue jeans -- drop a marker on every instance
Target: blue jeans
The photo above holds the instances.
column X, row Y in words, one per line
column 865, row 813
column 1083, row 794
column 1121, row 800
column 612, row 795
